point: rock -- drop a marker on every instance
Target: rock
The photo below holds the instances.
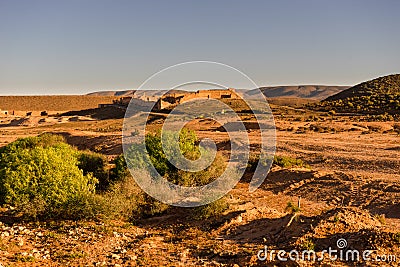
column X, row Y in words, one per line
column 36, row 255
column 5, row 234
column 131, row 257
column 116, row 234
column 115, row 256
column 20, row 241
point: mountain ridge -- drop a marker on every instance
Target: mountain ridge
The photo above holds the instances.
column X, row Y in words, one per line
column 317, row 92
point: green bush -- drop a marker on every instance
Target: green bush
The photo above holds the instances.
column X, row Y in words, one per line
column 40, row 176
column 95, row 164
column 120, row 171
column 292, row 208
column 288, row 162
column 188, row 144
column 308, row 244
column 282, row 161
column 213, row 209
column 44, row 140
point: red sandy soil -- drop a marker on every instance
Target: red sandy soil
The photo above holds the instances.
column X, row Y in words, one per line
column 351, row 191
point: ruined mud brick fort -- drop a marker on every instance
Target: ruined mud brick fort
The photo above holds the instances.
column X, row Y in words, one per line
column 169, row 101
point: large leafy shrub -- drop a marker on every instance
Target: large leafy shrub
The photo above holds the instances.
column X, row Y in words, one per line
column 40, row 175
column 188, row 145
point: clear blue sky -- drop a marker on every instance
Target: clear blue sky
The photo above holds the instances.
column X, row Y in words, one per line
column 78, row 46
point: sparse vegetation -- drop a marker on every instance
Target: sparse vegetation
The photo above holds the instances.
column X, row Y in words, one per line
column 379, row 98
column 308, row 244
column 24, row 258
column 336, row 219
column 292, row 208
column 288, row 162
column 281, row 161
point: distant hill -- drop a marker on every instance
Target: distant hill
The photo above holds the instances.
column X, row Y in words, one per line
column 113, row 93
column 377, row 96
column 318, row 92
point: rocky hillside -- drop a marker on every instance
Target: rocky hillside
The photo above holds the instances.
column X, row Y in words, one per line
column 378, row 96
column 383, row 85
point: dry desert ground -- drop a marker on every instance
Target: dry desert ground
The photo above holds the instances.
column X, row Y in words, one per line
column 349, row 188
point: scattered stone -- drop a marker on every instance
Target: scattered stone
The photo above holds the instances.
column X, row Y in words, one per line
column 5, row 234
column 20, row 241
column 115, row 256
column 116, row 235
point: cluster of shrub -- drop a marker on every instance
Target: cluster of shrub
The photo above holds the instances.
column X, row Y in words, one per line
column 281, row 161
column 380, row 107
column 45, row 178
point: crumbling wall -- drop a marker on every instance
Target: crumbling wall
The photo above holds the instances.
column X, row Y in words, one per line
column 172, row 100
